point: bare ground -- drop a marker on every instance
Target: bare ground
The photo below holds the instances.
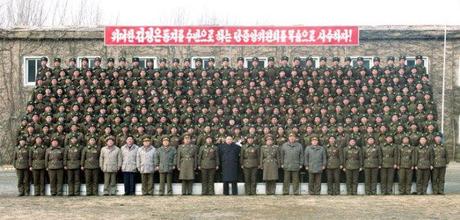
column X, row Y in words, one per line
column 239, row 207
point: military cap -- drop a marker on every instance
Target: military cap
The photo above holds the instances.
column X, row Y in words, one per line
column 314, row 138
column 110, row 59
column 135, row 59
column 110, row 138
column 250, row 137
column 402, row 57
column 55, row 138
column 146, row 139
column 176, row 60
column 292, row 134
column 296, row 58
column 121, row 59
column 377, row 59
column 269, row 137
column 57, row 59
column 347, row 58
column 98, row 59
column 240, row 59
column 285, row 58
column 186, row 136
column 255, row 59
column 212, row 59
column 336, row 59
column 44, row 59
column 150, row 60
column 165, row 138
column 225, row 59
column 187, row 60
column 391, row 58
column 419, row 57
column 72, row 59
column 84, row 59
column 360, row 59
column 198, row 60
column 271, row 59
column 323, row 59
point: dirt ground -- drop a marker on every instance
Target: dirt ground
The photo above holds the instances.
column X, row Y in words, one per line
column 239, row 207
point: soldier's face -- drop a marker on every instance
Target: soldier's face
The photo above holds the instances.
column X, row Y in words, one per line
column 130, row 141
column 314, row 142
column 187, row 141
column 165, row 143
column 146, row 143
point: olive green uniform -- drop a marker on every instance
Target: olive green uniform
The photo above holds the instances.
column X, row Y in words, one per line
column 372, row 157
column 187, row 155
column 423, row 162
column 249, row 161
column 352, row 163
column 270, row 163
column 440, row 161
column 21, row 164
column 37, row 163
column 90, row 164
column 72, row 162
column 334, row 162
column 387, row 171
column 406, row 167
column 54, row 162
column 208, row 161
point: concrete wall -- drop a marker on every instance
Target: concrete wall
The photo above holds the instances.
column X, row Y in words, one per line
column 374, row 41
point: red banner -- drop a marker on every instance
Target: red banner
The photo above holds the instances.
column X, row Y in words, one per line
column 231, row 36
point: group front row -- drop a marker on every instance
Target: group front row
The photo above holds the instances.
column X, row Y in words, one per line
column 424, row 161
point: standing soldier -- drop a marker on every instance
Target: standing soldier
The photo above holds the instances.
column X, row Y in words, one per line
column 165, row 163
column 208, row 163
column 352, row 161
column 269, row 163
column 334, row 165
column 90, row 165
column 440, row 161
column 187, row 164
column 21, row 164
column 315, row 163
column 405, row 166
column 388, row 165
column 291, row 162
column 372, row 157
column 423, row 164
column 37, row 166
column 110, row 163
column 54, row 163
column 72, row 162
column 249, row 163
column 128, row 165
column 146, row 165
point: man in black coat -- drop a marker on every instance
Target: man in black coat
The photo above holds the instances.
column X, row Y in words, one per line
column 229, row 153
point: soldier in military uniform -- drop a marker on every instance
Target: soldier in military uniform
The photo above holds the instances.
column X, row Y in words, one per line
column 72, row 162
column 334, row 157
column 208, row 162
column 37, row 166
column 440, row 161
column 291, row 161
column 187, row 157
column 423, row 161
column 372, row 157
column 269, row 163
column 21, row 164
column 249, row 161
column 405, row 166
column 388, row 165
column 352, row 165
column 165, row 163
column 90, row 165
column 54, row 163
column 315, row 162
column 146, row 165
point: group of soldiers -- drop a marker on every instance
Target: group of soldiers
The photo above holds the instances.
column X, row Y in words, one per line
column 341, row 115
